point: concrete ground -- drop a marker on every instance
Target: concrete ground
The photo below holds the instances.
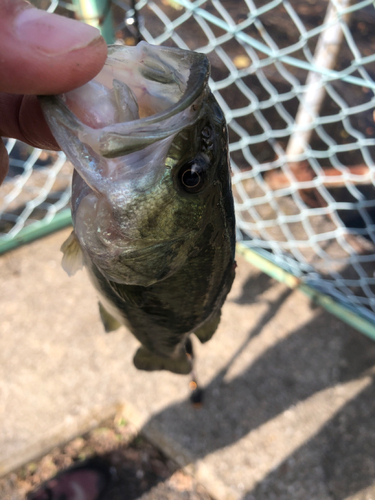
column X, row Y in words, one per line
column 289, row 400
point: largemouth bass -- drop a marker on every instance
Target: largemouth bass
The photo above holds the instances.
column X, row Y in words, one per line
column 151, row 203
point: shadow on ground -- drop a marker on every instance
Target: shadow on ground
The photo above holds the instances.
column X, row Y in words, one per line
column 321, row 354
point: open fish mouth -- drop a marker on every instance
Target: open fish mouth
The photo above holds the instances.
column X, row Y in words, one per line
column 168, row 90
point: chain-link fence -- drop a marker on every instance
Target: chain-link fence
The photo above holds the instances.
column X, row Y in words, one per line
column 296, row 82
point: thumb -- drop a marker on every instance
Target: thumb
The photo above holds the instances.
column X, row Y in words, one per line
column 44, row 53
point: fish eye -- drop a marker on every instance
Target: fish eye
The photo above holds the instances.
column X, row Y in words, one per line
column 193, row 176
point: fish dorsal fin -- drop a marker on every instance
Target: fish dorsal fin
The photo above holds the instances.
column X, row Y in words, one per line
column 72, row 260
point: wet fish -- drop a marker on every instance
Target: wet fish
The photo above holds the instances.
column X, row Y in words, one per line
column 152, row 205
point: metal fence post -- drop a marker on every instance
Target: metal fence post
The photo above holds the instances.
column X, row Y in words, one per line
column 325, row 57
column 97, row 13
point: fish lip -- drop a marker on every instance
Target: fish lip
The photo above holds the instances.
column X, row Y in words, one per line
column 136, row 134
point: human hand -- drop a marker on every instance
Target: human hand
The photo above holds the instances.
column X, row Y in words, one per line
column 40, row 53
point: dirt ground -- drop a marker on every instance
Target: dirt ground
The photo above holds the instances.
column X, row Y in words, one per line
column 141, row 470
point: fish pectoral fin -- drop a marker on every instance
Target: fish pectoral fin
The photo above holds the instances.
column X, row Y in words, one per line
column 205, row 332
column 148, row 361
column 72, row 260
column 109, row 322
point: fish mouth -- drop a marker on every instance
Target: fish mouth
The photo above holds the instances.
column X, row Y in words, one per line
column 174, row 79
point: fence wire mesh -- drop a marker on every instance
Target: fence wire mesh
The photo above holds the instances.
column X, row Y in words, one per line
column 296, row 83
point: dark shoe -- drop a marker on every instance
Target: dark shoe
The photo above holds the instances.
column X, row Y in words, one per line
column 87, row 481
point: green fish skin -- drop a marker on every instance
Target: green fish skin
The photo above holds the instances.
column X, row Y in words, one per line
column 152, row 203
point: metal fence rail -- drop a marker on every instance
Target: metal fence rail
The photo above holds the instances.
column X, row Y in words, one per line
column 296, row 82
